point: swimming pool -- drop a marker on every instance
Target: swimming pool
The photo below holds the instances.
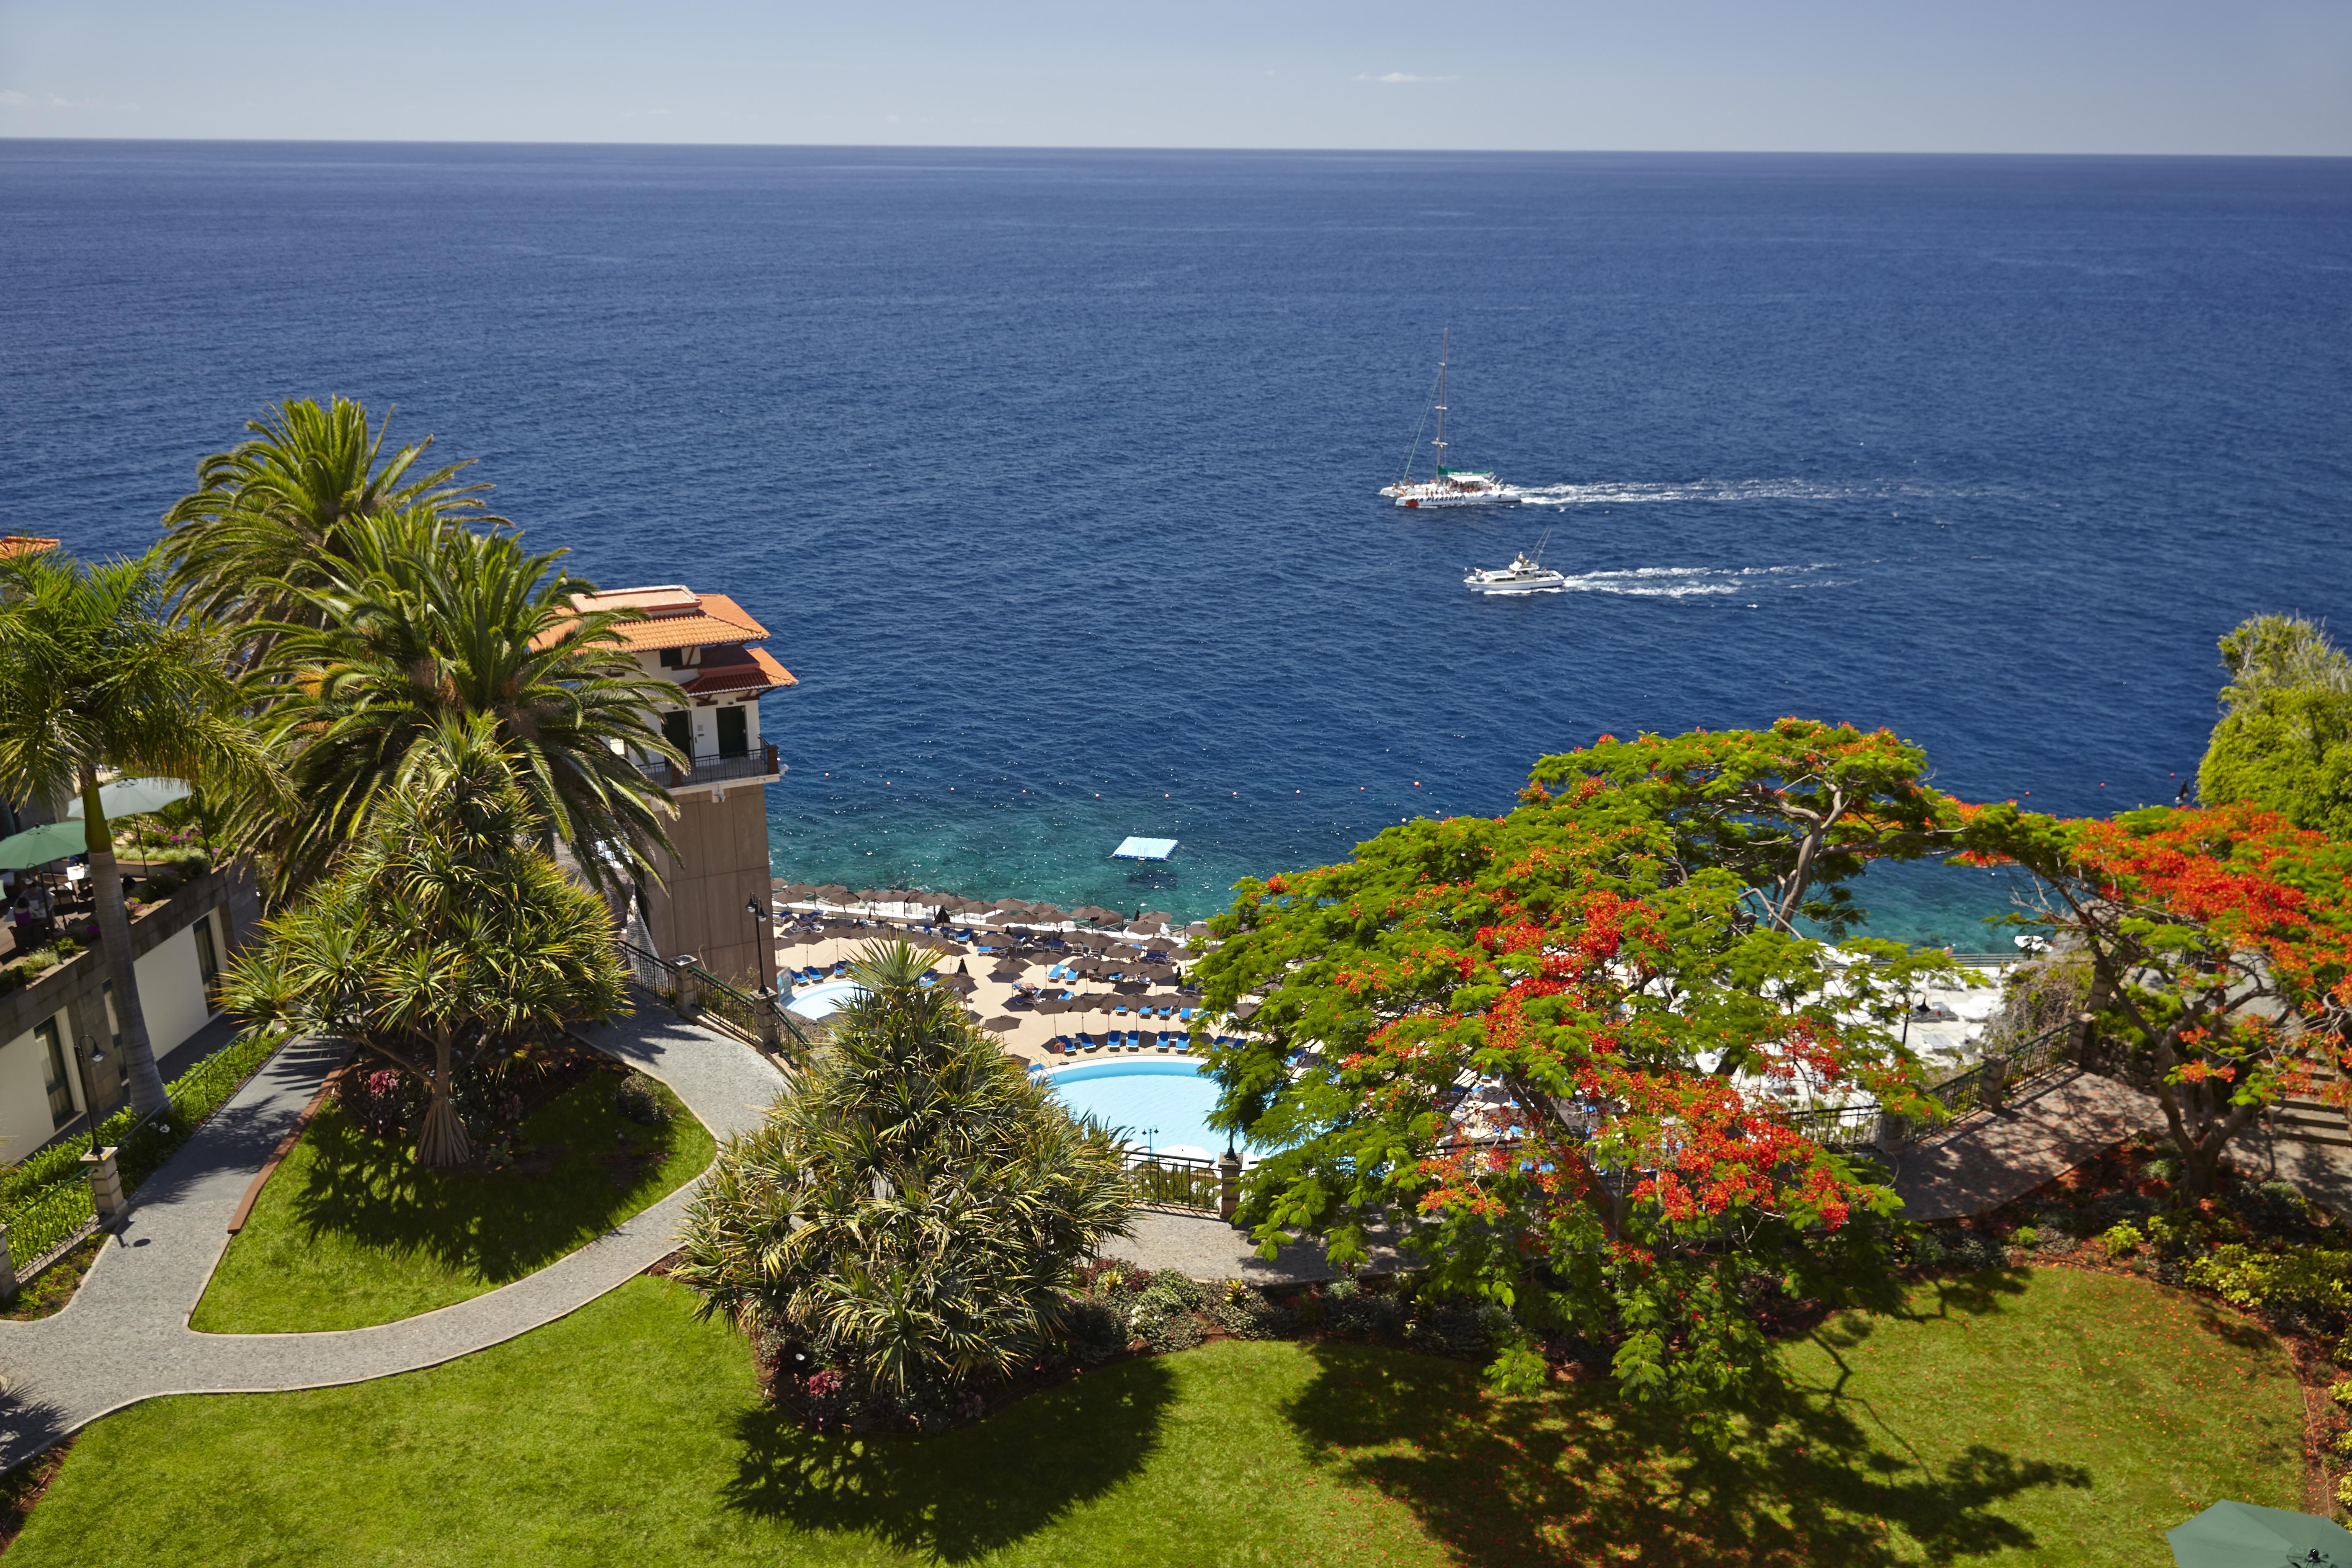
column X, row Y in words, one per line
column 1162, row 1104
column 824, row 998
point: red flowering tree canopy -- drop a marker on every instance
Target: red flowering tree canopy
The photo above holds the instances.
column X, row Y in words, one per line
column 1796, row 810
column 1552, row 1051
column 2220, row 941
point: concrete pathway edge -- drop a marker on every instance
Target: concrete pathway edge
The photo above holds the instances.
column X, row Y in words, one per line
column 125, row 1338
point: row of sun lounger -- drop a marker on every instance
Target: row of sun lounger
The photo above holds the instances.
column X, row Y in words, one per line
column 1116, row 1040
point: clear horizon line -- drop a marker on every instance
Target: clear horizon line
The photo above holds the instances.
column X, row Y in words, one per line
column 35, row 138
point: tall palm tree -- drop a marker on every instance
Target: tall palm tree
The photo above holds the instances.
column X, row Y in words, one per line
column 273, row 511
column 910, row 1214
column 441, row 939
column 94, row 674
column 422, row 621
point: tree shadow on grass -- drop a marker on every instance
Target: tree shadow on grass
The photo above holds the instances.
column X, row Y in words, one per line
column 594, row 1169
column 1578, row 1476
column 965, row 1493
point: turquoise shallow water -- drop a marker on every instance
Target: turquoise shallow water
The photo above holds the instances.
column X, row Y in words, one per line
column 1053, row 473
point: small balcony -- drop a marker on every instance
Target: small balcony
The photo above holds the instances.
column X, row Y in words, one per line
column 713, row 768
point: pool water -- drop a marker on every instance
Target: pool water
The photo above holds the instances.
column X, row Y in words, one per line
column 1162, row 1104
column 824, row 998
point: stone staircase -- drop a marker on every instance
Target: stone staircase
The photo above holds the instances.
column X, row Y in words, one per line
column 2306, row 1119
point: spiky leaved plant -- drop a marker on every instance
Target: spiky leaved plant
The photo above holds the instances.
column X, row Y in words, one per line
column 911, row 1214
column 442, row 936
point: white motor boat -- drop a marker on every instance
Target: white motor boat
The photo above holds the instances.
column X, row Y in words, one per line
column 1451, row 487
column 1526, row 574
column 1521, row 576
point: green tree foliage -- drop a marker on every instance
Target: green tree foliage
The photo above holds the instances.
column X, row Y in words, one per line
column 269, row 515
column 94, row 676
column 909, row 1217
column 2220, row 948
column 2284, row 740
column 1553, row 1049
column 442, row 940
column 421, row 622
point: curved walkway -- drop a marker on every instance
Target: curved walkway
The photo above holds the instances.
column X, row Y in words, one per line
column 125, row 1335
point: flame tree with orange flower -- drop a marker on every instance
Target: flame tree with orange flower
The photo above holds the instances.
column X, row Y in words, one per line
column 2220, row 949
column 1550, row 1050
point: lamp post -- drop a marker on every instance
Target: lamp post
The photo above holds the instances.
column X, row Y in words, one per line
column 105, row 1180
column 760, row 940
column 87, row 1055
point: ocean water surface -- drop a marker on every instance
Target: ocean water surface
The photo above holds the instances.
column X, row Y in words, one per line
column 1052, row 473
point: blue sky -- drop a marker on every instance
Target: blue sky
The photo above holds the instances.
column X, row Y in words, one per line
column 2055, row 76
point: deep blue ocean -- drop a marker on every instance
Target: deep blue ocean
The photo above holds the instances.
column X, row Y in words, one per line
column 1053, row 473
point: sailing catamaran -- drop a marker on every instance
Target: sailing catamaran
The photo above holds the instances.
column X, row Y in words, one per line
column 1451, row 487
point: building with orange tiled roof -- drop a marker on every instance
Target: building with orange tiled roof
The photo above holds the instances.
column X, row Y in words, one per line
column 15, row 544
column 702, row 645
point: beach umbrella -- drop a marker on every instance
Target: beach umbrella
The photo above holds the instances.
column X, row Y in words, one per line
column 999, row 1026
column 1094, row 914
column 2230, row 1535
column 127, row 797
column 962, row 984
column 39, row 846
column 832, row 892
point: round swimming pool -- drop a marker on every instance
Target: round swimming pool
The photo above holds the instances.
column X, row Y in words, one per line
column 1162, row 1104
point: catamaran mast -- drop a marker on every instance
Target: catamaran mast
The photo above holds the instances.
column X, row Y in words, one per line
column 1443, row 343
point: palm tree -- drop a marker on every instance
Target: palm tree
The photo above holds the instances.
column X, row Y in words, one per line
column 422, row 621
column 442, row 940
column 273, row 511
column 910, row 1214
column 95, row 675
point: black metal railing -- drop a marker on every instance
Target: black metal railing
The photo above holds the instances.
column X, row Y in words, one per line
column 762, row 1021
column 1862, row 1126
column 1179, row 1180
column 713, row 768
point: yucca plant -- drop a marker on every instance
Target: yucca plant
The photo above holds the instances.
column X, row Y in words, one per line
column 911, row 1217
column 442, row 938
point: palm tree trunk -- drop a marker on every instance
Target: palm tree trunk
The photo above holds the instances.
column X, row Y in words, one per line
column 441, row 1143
column 139, row 1073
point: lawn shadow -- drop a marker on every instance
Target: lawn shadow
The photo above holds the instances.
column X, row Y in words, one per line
column 965, row 1493
column 496, row 1225
column 1976, row 1295
column 1580, row 1475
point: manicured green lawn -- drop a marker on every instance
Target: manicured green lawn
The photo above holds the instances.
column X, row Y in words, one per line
column 349, row 1233
column 2045, row 1419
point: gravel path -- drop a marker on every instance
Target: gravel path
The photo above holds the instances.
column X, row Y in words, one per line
column 125, row 1335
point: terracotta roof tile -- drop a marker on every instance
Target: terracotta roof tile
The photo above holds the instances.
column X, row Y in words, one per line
column 15, row 544
column 757, row 670
column 675, row 618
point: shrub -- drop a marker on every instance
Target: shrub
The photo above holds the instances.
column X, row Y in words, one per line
column 1466, row 1331
column 2340, row 1391
column 1094, row 1329
column 1968, row 1251
column 637, row 1098
column 2297, row 1287
column 937, row 1201
column 378, row 1104
column 2275, row 1208
column 2026, row 1236
column 2123, row 1239
column 2344, row 1491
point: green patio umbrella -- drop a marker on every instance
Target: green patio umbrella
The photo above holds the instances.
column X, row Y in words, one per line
column 2242, row 1535
column 128, row 798
column 39, row 846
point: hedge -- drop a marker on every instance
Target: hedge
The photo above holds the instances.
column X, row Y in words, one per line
column 43, row 1199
